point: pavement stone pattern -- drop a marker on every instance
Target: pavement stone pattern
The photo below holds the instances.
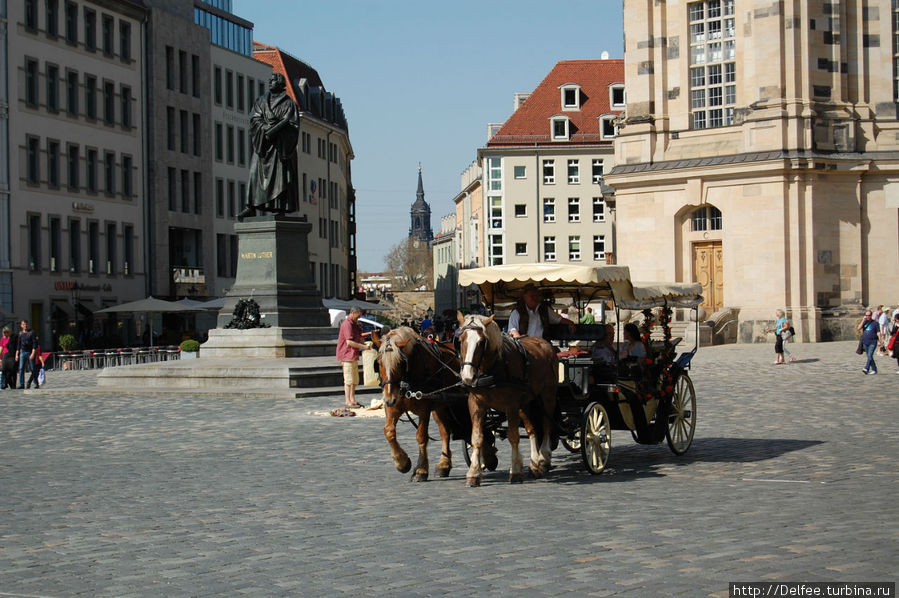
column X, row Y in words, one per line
column 792, row 477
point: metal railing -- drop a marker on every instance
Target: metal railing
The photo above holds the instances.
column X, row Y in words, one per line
column 104, row 358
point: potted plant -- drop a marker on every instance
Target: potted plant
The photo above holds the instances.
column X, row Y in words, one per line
column 68, row 344
column 190, row 349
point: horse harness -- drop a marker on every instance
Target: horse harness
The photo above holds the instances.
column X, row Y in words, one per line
column 498, row 374
column 402, row 383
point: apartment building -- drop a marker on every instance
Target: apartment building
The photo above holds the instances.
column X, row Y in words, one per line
column 73, row 135
column 446, row 269
column 543, row 186
column 760, row 157
column 327, row 197
column 469, row 204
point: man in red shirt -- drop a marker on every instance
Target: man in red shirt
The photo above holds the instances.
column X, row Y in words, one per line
column 349, row 342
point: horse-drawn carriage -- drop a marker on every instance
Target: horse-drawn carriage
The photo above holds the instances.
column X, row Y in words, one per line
column 578, row 397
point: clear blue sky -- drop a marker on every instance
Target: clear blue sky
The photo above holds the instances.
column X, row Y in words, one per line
column 419, row 81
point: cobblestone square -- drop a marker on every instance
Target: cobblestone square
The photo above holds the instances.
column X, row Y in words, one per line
column 791, row 477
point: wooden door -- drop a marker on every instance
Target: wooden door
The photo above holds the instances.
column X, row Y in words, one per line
column 708, row 270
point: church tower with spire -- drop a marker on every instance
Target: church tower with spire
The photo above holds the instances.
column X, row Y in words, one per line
column 420, row 214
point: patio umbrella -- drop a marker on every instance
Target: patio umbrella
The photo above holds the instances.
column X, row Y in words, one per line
column 346, row 305
column 150, row 305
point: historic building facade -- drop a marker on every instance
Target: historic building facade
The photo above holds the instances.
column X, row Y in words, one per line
column 327, row 197
column 760, row 156
column 543, row 170
column 74, row 138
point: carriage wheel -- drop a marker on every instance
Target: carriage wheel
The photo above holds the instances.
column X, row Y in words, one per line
column 573, row 442
column 596, row 438
column 682, row 419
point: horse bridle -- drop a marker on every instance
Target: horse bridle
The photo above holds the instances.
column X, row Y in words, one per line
column 404, row 387
column 477, row 366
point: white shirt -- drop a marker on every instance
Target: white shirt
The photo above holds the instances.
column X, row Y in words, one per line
column 535, row 325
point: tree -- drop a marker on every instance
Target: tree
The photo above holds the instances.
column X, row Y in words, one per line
column 411, row 265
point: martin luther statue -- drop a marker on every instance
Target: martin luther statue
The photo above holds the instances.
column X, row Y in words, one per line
column 274, row 130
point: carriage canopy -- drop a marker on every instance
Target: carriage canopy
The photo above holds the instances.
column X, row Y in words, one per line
column 505, row 283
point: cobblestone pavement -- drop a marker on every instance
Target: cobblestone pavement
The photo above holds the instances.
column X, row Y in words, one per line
column 792, row 476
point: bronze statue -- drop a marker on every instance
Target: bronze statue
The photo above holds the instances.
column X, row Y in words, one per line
column 274, row 130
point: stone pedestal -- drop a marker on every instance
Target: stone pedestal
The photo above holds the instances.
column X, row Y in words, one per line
column 273, row 269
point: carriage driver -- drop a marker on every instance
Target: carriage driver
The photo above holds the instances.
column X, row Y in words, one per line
column 533, row 317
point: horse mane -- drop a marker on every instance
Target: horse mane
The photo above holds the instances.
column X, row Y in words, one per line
column 492, row 332
column 392, row 359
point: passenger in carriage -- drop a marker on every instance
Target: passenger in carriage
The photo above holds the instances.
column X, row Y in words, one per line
column 633, row 346
column 603, row 349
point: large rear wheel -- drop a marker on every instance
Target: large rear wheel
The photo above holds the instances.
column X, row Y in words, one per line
column 682, row 418
column 596, row 438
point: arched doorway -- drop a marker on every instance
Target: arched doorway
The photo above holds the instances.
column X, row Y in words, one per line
column 705, row 228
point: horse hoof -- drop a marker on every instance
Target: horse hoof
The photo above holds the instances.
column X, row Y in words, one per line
column 516, row 478
column 443, row 472
column 404, row 467
column 472, row 482
column 420, row 477
column 535, row 473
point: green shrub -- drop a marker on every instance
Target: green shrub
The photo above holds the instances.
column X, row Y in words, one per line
column 67, row 342
column 190, row 345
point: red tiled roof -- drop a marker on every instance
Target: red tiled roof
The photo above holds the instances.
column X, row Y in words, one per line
column 292, row 68
column 531, row 124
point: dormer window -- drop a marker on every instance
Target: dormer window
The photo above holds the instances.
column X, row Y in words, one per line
column 559, row 128
column 607, row 127
column 616, row 95
column 571, row 96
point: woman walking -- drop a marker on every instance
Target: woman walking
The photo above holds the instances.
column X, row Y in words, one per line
column 869, row 329
column 782, row 333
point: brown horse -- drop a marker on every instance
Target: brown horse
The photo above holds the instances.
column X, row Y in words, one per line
column 523, row 387
column 409, row 364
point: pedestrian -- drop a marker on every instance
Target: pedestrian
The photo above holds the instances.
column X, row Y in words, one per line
column 883, row 322
column 869, row 329
column 25, row 354
column 588, row 317
column 349, row 343
column 8, row 343
column 891, row 344
column 781, row 325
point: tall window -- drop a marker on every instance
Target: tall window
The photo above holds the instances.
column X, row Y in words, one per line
column 93, row 247
column 31, row 15
column 90, row 97
column 229, row 89
column 90, row 169
column 124, row 41
column 71, row 22
column 31, row 95
column 183, row 75
column 217, row 84
column 34, row 242
column 72, row 93
column 574, row 209
column 109, row 102
column 32, row 164
column 240, row 104
column 73, row 166
column 169, row 67
column 108, row 34
column 195, row 74
column 220, row 198
column 197, row 133
column 74, row 246
column 128, row 243
column 173, row 189
column 549, row 209
column 549, row 172
column 126, row 107
column 232, row 200
column 549, row 249
column 219, row 152
column 185, row 138
column 127, row 177
column 599, row 247
column 53, row 163
column 713, row 69
column 52, row 17
column 198, row 193
column 170, row 127
column 110, row 247
column 574, row 248
column 706, row 218
column 230, row 138
column 109, row 172
column 55, row 244
column 599, row 209
column 495, row 174
column 496, row 212
column 574, row 172
column 597, row 171
column 90, row 29
column 185, row 191
column 52, row 88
